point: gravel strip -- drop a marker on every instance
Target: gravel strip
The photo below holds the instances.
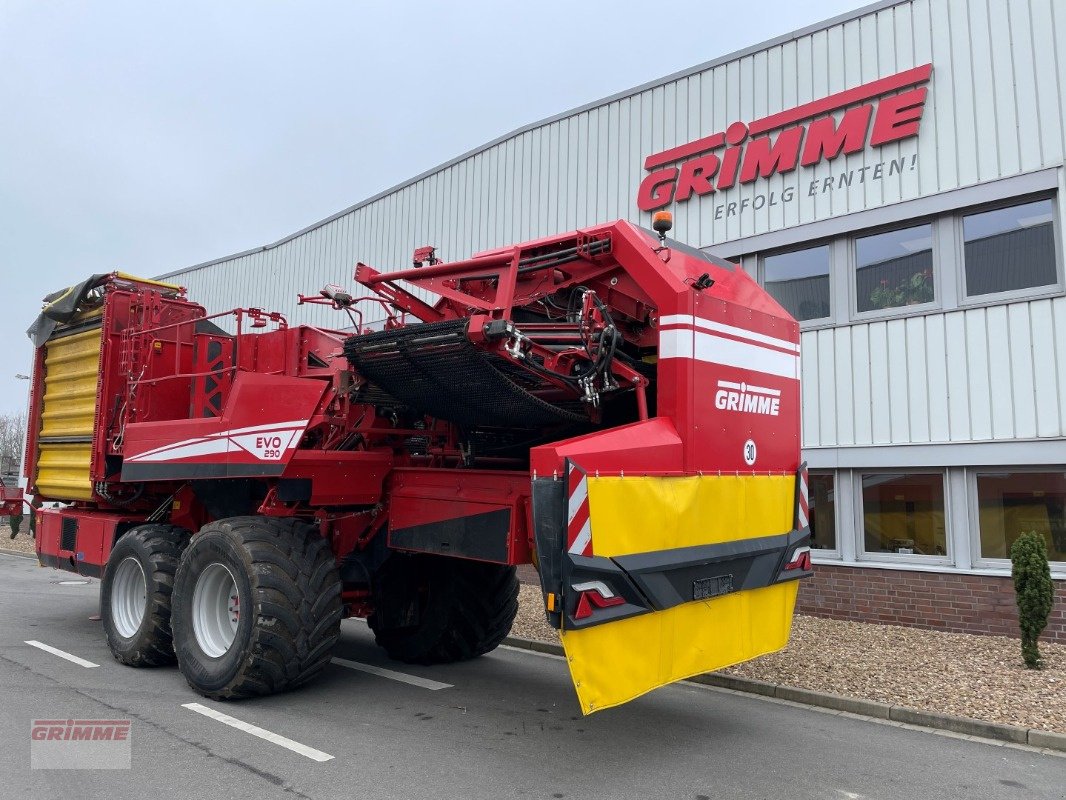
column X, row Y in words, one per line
column 530, row 622
column 981, row 677
column 21, row 543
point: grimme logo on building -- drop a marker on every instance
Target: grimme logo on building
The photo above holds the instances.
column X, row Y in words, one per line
column 747, row 399
column 777, row 144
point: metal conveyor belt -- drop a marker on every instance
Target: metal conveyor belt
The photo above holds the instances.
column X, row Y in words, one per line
column 434, row 368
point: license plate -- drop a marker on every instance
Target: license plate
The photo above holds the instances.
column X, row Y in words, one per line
column 711, row 587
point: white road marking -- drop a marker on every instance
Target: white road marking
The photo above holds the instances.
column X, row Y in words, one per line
column 402, row 677
column 62, row 654
column 262, row 733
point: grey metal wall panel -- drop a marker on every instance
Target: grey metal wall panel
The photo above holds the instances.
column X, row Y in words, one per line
column 982, row 374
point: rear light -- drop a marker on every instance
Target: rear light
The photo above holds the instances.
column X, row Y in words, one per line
column 594, row 594
column 801, row 559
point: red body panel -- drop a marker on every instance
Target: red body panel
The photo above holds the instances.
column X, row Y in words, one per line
column 422, row 499
column 257, row 433
column 78, row 540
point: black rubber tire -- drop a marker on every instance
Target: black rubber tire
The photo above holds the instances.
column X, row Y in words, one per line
column 436, row 610
column 157, row 547
column 286, row 573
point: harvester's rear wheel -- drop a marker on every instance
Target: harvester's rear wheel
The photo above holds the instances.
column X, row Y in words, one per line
column 135, row 594
column 257, row 607
column 434, row 610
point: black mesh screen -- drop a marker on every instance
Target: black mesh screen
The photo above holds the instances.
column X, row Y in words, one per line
column 68, row 535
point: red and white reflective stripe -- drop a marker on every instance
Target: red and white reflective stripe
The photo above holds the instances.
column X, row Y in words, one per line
column 578, row 523
column 803, row 505
column 687, row 336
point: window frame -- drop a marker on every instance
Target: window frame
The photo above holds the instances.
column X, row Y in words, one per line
column 834, row 554
column 760, row 276
column 935, row 224
column 864, row 557
column 965, row 300
column 973, row 513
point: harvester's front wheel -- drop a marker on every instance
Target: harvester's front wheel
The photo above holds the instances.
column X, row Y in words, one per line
column 435, row 610
column 136, row 594
column 257, row 607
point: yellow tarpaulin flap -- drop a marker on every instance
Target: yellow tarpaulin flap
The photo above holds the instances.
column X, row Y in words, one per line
column 618, row 661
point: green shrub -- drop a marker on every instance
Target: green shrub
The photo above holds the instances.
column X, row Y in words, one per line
column 1034, row 591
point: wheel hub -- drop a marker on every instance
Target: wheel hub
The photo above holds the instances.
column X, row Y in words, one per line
column 215, row 610
column 129, row 597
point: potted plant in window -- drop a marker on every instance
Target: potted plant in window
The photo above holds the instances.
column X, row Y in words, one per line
column 916, row 289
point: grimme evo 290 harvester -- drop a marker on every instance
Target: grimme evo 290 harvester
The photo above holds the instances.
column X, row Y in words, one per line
column 618, row 408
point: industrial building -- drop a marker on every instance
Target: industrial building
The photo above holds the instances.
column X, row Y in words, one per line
column 892, row 176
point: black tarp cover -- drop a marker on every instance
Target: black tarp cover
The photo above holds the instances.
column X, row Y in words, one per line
column 60, row 307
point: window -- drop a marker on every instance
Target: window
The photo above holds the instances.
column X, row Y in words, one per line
column 1012, row 503
column 799, row 281
column 821, row 500
column 904, row 514
column 1009, row 248
column 894, row 269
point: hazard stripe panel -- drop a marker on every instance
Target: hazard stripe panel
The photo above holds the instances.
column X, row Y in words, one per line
column 803, row 504
column 578, row 521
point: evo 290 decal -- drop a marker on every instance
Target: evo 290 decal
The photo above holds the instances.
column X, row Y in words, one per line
column 268, row 442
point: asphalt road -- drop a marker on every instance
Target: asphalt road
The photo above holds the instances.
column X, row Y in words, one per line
column 507, row 727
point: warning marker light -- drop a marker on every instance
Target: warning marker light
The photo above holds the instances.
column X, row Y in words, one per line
column 661, row 223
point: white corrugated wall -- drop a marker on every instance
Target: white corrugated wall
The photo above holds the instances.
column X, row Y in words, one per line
column 982, row 374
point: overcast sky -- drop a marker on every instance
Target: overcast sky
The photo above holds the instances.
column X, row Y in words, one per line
column 148, row 136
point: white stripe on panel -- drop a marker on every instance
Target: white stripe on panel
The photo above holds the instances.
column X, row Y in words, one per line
column 1048, row 94
column 936, row 379
column 1058, row 306
column 584, row 536
column 676, row 343
column 861, row 382
column 732, row 353
column 978, row 388
column 1045, row 371
column 1021, row 360
column 844, row 386
column 581, row 491
column 899, row 416
column 958, row 379
column 827, row 381
column 1000, row 369
column 879, row 380
column 917, row 383
column 1020, row 131
column 731, row 330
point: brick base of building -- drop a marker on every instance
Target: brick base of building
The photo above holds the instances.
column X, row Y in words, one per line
column 936, row 600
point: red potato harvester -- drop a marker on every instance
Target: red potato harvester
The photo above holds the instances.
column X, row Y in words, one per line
column 617, row 408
